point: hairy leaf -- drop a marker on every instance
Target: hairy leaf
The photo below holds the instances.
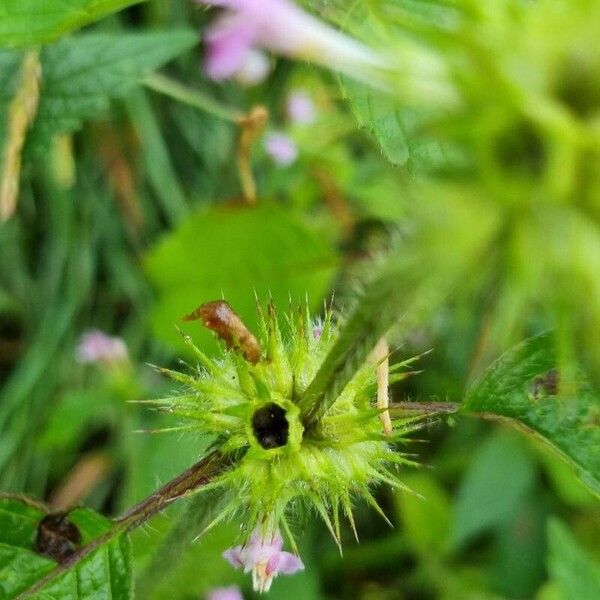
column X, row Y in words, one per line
column 29, row 22
column 408, row 286
column 403, row 134
column 78, row 558
column 521, row 386
column 234, row 254
column 82, row 73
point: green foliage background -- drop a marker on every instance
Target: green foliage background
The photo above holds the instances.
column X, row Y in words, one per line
column 465, row 200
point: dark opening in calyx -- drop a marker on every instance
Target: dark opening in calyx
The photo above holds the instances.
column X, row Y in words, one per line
column 270, row 426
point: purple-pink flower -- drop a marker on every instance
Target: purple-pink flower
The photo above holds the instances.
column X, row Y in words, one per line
column 225, row 593
column 300, row 108
column 248, row 26
column 317, row 330
column 263, row 555
column 96, row 347
column 281, row 148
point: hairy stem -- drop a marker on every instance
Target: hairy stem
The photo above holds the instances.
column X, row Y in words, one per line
column 169, row 87
column 370, row 321
column 195, row 477
column 398, row 408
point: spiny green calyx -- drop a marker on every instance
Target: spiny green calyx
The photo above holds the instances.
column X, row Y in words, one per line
column 252, row 407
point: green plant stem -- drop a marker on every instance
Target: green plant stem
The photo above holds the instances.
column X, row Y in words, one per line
column 168, row 87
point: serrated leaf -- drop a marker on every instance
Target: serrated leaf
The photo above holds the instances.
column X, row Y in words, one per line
column 403, row 134
column 82, row 73
column 574, row 572
column 30, row 22
column 102, row 572
column 377, row 114
column 513, row 388
column 233, row 254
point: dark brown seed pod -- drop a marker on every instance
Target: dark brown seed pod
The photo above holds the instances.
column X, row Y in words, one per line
column 222, row 319
column 57, row 537
column 270, row 426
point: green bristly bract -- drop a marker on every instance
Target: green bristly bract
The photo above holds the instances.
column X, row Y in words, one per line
column 284, row 468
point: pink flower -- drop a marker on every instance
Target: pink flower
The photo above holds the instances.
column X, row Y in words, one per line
column 282, row 27
column 317, row 331
column 264, row 557
column 225, row 593
column 281, row 148
column 300, row 108
column 96, row 347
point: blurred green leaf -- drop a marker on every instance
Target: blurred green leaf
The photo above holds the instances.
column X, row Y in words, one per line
column 379, row 115
column 305, row 584
column 182, row 566
column 29, row 22
column 425, row 513
column 576, row 575
column 80, row 74
column 236, row 253
column 75, row 414
column 549, row 591
column 519, row 386
column 499, row 476
column 104, row 571
column 403, row 134
column 563, row 480
column 519, row 550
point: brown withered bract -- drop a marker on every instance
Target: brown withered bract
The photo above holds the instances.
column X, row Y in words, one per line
column 222, row 319
column 57, row 537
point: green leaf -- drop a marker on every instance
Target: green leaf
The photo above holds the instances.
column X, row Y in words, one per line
column 576, row 574
column 99, row 568
column 500, row 475
column 377, row 113
column 518, row 549
column 563, row 481
column 425, row 514
column 181, row 566
column 405, row 135
column 513, row 389
column 30, row 22
column 235, row 253
column 82, row 73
